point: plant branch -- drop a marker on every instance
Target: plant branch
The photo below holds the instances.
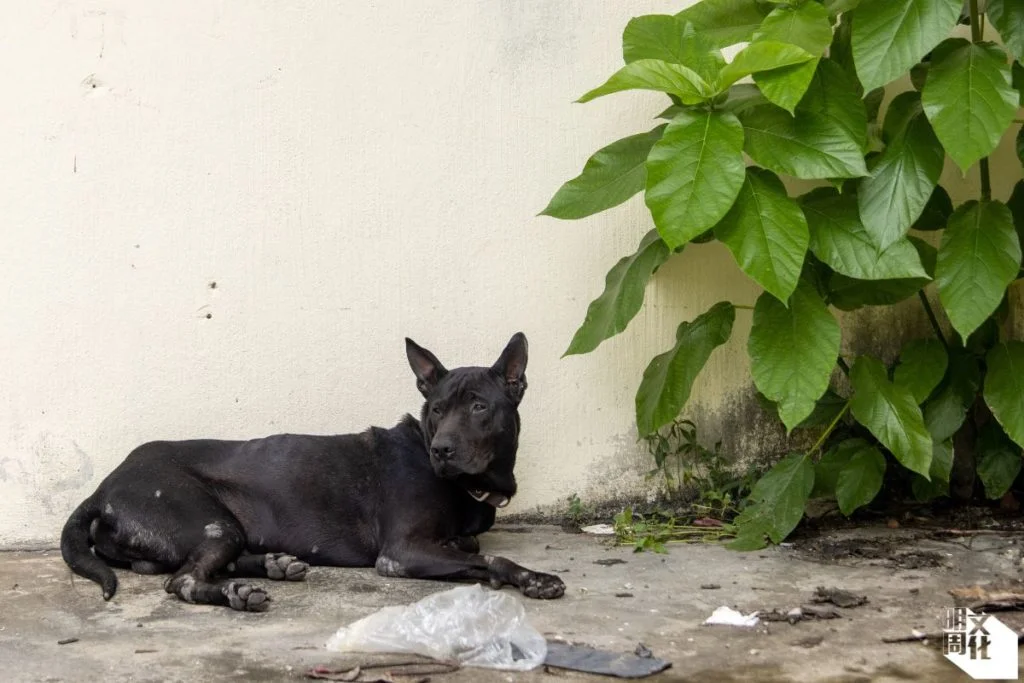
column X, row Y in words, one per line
column 828, row 430
column 843, row 366
column 743, row 306
column 931, row 318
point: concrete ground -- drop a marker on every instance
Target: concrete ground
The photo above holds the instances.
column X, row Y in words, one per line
column 145, row 635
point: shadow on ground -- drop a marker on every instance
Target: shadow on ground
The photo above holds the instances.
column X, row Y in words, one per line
column 145, row 635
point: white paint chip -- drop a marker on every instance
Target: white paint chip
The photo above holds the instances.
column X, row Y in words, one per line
column 109, row 509
column 156, row 494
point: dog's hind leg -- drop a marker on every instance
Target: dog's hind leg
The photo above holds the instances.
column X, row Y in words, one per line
column 222, row 544
column 274, row 566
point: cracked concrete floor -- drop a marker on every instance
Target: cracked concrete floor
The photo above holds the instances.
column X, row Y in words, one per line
column 145, row 635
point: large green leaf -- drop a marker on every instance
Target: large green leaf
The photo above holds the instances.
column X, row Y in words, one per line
column 1004, row 387
column 622, row 297
column 890, row 36
column 860, row 480
column 694, row 174
column 766, row 233
column 922, row 366
column 839, row 239
column 947, row 409
column 847, row 294
column 776, row 503
column 670, row 39
column 901, row 181
column 725, row 22
column 825, row 137
column 827, row 469
column 1007, row 16
column 761, row 56
column 654, row 74
column 978, row 258
column 890, row 412
column 614, row 174
column 793, row 351
column 835, row 7
column 667, row 381
column 969, row 98
column 806, row 26
column 999, row 461
column 942, row 464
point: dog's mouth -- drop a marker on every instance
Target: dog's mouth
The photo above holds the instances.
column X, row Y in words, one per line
column 497, row 500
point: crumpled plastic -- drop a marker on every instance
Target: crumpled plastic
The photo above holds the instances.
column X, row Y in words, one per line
column 727, row 616
column 469, row 624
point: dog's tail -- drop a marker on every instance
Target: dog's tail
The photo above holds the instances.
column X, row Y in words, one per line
column 74, row 547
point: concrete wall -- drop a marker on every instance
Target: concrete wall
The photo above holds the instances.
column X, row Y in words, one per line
column 347, row 173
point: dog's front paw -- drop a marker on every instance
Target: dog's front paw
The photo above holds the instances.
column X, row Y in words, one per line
column 245, row 597
column 281, row 567
column 543, row 586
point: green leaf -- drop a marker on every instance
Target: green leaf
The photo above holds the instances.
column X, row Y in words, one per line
column 969, row 98
column 1016, row 206
column 777, row 501
column 847, row 294
column 890, row 36
column 826, row 409
column 937, row 211
column 978, row 258
column 841, row 52
column 793, row 351
column 825, row 137
column 766, row 233
column 827, row 469
column 873, row 103
column 921, row 367
column 743, row 96
column 839, row 239
column 806, row 26
column 890, row 413
column 667, row 381
column 670, row 39
column 942, row 464
column 901, row 181
column 947, row 409
column 999, row 461
column 1007, row 16
column 761, row 56
column 898, row 114
column 1004, row 387
column 725, row 22
column 835, row 7
column 614, row 174
column 622, row 297
column 694, row 174
column 654, row 74
column 860, row 480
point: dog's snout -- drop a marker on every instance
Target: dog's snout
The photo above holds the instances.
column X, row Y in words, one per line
column 442, row 451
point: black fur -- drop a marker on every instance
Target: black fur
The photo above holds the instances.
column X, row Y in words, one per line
column 409, row 500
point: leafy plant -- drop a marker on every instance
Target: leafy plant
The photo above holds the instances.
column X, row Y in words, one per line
column 879, row 230
column 686, row 467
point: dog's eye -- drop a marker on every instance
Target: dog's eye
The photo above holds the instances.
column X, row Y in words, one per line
column 479, row 407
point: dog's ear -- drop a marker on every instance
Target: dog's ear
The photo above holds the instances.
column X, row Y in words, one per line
column 511, row 367
column 425, row 366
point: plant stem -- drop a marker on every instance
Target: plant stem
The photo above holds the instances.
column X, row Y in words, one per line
column 828, row 430
column 986, row 183
column 931, row 317
column 977, row 30
column 743, row 306
column 843, row 366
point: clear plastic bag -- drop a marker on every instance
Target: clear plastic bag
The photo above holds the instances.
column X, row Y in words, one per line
column 469, row 624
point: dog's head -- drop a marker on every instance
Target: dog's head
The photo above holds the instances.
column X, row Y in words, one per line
column 470, row 420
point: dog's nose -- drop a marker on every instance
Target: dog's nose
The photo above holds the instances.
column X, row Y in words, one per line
column 442, row 451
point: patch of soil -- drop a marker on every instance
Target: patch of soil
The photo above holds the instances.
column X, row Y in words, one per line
column 885, row 552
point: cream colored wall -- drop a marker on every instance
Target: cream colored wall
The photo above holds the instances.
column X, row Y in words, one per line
column 348, row 173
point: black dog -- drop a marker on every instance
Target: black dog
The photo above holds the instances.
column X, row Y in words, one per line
column 409, row 500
